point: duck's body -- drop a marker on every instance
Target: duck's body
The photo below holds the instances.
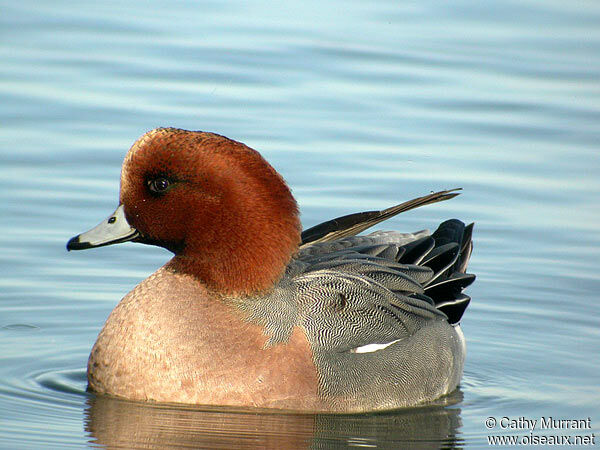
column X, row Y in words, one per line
column 208, row 354
column 251, row 313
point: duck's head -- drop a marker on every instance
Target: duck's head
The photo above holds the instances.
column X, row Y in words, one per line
column 217, row 204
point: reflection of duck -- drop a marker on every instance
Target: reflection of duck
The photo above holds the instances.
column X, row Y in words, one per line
column 250, row 312
column 115, row 423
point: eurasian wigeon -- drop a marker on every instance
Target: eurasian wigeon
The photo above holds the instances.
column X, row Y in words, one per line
column 253, row 312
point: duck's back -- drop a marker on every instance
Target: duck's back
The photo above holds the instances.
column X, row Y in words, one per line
column 380, row 313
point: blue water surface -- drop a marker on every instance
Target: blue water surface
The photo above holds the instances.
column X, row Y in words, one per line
column 359, row 105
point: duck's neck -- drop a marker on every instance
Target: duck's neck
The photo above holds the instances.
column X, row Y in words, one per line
column 243, row 267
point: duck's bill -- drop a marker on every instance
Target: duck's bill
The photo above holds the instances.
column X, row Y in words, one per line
column 113, row 230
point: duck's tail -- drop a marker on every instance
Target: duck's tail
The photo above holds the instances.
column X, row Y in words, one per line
column 446, row 252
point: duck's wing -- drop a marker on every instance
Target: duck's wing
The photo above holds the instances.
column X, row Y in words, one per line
column 430, row 268
column 353, row 224
column 378, row 317
column 383, row 286
column 345, row 310
column 376, row 311
column 372, row 347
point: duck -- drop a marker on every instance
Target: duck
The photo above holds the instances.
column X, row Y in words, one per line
column 254, row 312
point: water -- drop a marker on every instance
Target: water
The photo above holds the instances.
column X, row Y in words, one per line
column 359, row 105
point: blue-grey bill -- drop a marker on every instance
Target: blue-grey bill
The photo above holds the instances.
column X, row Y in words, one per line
column 113, row 230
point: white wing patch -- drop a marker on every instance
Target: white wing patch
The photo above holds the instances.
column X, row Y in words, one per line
column 370, row 348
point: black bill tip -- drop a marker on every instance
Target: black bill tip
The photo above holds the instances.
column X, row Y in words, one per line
column 75, row 244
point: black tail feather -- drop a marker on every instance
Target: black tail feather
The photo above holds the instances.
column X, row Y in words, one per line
column 417, row 250
column 456, row 308
column 441, row 260
column 448, row 260
column 450, row 286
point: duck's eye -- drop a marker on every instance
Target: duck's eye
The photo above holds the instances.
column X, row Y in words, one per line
column 159, row 185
